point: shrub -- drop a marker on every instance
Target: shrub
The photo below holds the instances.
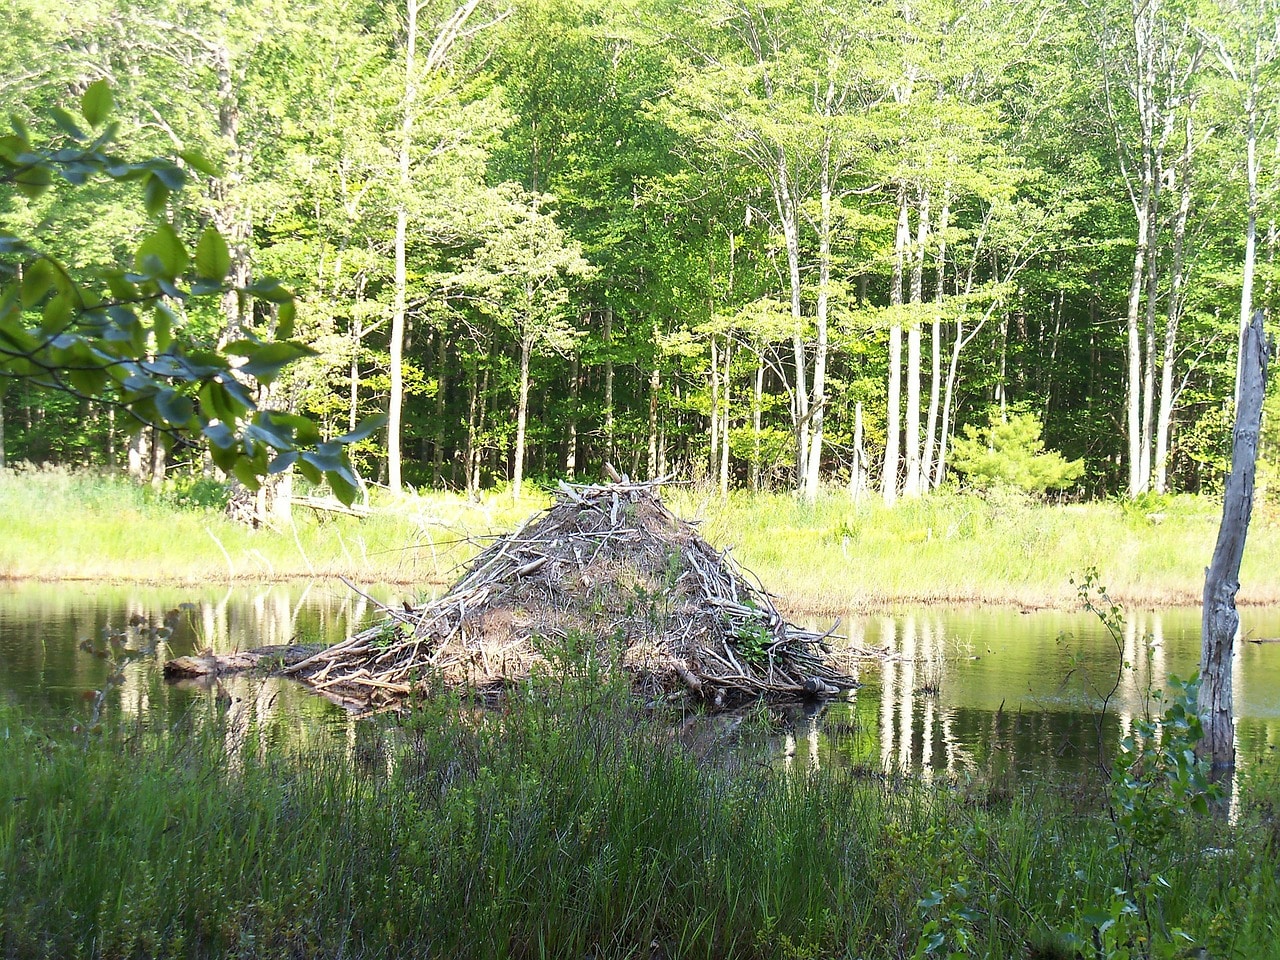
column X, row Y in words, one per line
column 1009, row 452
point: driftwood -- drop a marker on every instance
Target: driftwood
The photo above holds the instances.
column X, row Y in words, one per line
column 210, row 664
column 1220, row 621
column 606, row 578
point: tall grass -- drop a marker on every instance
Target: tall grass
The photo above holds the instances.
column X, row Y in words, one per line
column 832, row 556
column 836, row 555
column 60, row 524
column 572, row 826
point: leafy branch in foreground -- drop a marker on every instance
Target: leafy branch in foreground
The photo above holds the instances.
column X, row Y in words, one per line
column 112, row 333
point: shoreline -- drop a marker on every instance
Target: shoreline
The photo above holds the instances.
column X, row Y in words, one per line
column 793, row 605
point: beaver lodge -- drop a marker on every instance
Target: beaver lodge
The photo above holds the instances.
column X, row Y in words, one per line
column 607, row 572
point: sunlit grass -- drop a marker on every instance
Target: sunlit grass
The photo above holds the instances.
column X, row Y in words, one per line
column 834, row 556
column 567, row 826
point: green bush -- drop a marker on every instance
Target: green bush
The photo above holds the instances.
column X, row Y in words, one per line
column 1009, row 452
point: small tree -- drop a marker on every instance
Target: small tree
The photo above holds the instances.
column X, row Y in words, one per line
column 520, row 277
column 1009, row 451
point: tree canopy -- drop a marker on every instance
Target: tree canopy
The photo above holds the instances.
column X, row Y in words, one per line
column 785, row 244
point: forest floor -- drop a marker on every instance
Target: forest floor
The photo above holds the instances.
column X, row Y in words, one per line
column 834, row 557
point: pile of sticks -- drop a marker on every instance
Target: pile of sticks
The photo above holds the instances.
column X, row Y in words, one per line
column 606, row 573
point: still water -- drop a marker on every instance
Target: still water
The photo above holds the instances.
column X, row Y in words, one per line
column 964, row 690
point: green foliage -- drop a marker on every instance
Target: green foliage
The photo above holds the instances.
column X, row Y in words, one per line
column 115, row 332
column 1158, row 782
column 1009, row 451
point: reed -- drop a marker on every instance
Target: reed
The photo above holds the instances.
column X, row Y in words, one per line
column 569, row 825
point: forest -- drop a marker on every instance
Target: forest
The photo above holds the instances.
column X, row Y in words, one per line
column 769, row 245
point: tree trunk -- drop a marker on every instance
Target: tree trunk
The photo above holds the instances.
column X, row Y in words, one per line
column 857, row 468
column 1251, row 224
column 522, row 417
column 442, row 393
column 713, row 427
column 1220, row 620
column 813, row 470
column 935, row 348
column 1177, row 299
column 893, row 414
column 610, row 453
column 912, row 485
column 724, row 421
column 2, row 460
column 395, row 403
column 757, row 410
column 655, row 386
column 571, row 428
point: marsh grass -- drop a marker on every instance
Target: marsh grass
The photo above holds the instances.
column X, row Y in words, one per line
column 836, row 556
column 62, row 524
column 571, row 824
column 832, row 557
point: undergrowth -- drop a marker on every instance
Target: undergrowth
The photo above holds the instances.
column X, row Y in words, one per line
column 569, row 824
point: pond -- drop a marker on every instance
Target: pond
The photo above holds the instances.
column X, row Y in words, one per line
column 976, row 691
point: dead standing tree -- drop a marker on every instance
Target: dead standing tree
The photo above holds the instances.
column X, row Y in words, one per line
column 1222, row 579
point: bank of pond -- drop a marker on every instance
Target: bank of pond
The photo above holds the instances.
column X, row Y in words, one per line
column 958, row 803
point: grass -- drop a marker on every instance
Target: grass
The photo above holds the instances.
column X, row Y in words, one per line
column 567, row 826
column 79, row 526
column 831, row 557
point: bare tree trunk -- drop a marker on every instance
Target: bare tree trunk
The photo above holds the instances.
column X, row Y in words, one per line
column 571, row 429
column 1251, row 224
column 395, row 403
column 935, row 348
column 724, row 421
column 912, row 485
column 655, row 386
column 757, row 410
column 893, row 416
column 1149, row 355
column 522, row 417
column 159, row 459
column 713, row 427
column 813, row 470
column 857, row 465
column 610, row 453
column 1177, row 299
column 442, row 393
column 1222, row 579
column 449, row 32
column 139, row 455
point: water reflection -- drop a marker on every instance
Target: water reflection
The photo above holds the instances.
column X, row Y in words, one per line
column 976, row 692
column 1001, row 692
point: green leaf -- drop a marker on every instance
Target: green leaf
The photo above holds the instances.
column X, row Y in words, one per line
column 363, row 429
column 57, row 312
column 163, row 327
column 154, row 195
column 66, row 123
column 270, row 289
column 342, row 483
column 199, row 162
column 174, row 407
column 167, row 250
column 97, row 102
column 245, row 471
column 37, row 281
column 213, row 259
column 265, row 362
column 285, row 318
column 33, row 181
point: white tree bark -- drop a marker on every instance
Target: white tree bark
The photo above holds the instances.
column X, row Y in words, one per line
column 893, row 415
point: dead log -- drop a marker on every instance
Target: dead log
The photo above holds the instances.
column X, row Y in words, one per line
column 209, row 664
column 1220, row 620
